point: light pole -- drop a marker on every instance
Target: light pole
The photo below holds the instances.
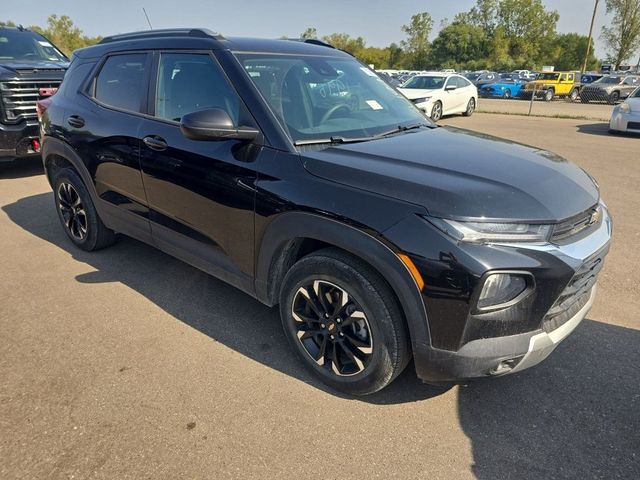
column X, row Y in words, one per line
column 593, row 19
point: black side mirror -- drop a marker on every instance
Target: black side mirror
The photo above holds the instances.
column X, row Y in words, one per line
column 214, row 124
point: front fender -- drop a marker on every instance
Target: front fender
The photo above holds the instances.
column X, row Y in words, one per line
column 282, row 233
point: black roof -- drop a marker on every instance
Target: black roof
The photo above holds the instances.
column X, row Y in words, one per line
column 202, row 38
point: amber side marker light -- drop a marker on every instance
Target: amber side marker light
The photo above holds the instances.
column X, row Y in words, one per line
column 413, row 269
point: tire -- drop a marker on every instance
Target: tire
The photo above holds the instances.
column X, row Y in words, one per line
column 507, row 94
column 77, row 214
column 370, row 327
column 614, row 97
column 573, row 96
column 436, row 111
column 471, row 107
column 549, row 94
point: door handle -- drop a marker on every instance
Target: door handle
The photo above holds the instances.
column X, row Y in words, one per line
column 155, row 143
column 76, row 121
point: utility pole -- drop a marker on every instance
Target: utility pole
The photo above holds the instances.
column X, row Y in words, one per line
column 593, row 20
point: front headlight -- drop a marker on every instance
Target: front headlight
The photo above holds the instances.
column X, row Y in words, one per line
column 421, row 100
column 481, row 232
column 624, row 108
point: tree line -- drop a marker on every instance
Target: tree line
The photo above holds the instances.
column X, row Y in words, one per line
column 493, row 34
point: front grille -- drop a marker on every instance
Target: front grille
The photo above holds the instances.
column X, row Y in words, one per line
column 19, row 98
column 575, row 225
column 576, row 294
column 633, row 125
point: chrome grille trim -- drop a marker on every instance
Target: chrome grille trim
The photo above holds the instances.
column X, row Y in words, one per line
column 19, row 98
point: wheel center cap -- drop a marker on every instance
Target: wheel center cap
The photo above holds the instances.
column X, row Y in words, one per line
column 331, row 327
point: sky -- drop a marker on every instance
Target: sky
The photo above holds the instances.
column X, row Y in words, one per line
column 377, row 21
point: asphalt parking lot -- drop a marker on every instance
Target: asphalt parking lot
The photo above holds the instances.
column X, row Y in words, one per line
column 128, row 364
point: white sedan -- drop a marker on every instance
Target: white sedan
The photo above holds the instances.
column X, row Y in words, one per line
column 626, row 116
column 439, row 94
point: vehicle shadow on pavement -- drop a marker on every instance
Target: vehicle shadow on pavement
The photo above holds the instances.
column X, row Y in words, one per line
column 216, row 309
column 21, row 168
column 577, row 415
column 599, row 129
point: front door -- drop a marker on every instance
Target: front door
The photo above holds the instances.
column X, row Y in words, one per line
column 200, row 193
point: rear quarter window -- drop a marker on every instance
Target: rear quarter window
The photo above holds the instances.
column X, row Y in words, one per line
column 121, row 82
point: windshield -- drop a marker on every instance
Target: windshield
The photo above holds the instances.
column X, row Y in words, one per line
column 609, row 80
column 548, row 76
column 425, row 83
column 472, row 76
column 317, row 97
column 636, row 94
column 27, row 46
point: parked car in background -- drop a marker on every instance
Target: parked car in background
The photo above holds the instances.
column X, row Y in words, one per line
column 626, row 116
column 482, row 78
column 502, row 89
column 549, row 85
column 588, row 78
column 439, row 94
column 390, row 79
column 610, row 89
column 31, row 68
column 523, row 74
column 381, row 237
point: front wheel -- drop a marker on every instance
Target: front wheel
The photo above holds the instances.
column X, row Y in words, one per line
column 507, row 94
column 436, row 111
column 573, row 96
column 77, row 214
column 471, row 107
column 344, row 322
column 548, row 95
column 614, row 97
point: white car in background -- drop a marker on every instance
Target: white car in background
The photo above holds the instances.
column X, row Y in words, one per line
column 439, row 94
column 626, row 116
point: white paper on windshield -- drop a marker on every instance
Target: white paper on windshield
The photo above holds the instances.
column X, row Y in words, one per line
column 374, row 104
column 44, row 43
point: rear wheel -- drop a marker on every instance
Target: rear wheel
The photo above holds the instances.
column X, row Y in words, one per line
column 436, row 111
column 573, row 96
column 471, row 107
column 344, row 322
column 77, row 214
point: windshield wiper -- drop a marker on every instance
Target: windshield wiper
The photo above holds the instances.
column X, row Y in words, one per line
column 404, row 128
column 330, row 141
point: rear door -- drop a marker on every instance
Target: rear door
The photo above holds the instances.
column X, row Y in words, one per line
column 201, row 193
column 102, row 125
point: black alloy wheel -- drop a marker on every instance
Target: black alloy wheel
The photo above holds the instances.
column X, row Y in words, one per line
column 72, row 211
column 332, row 328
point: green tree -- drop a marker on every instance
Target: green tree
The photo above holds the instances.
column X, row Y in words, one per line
column 309, row 33
column 8, row 23
column 568, row 52
column 378, row 57
column 484, row 15
column 395, row 58
column 64, row 34
column 458, row 45
column 345, row 42
column 417, row 43
column 622, row 36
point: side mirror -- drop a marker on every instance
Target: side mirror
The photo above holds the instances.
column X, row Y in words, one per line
column 214, row 124
column 450, row 88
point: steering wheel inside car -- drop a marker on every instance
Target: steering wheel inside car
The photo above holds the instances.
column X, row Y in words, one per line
column 333, row 110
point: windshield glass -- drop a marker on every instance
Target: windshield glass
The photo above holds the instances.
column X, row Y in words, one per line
column 636, row 94
column 27, row 46
column 317, row 97
column 426, row 83
column 610, row 80
column 472, row 76
column 548, row 76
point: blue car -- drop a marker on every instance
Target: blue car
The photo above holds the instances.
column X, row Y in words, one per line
column 502, row 89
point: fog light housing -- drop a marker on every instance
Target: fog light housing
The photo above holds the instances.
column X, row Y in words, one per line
column 503, row 289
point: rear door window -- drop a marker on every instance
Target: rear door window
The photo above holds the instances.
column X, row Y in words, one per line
column 121, row 82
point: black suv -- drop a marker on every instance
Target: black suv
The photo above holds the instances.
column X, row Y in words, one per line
column 31, row 69
column 293, row 172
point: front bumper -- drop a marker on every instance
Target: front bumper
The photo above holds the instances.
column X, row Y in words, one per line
column 15, row 140
column 624, row 122
column 489, row 355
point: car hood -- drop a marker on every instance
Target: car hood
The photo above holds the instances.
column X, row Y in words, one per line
column 457, row 173
column 413, row 93
column 21, row 65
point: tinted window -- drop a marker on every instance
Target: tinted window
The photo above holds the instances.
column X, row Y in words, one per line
column 427, row 83
column 119, row 83
column 188, row 82
column 451, row 82
column 461, row 82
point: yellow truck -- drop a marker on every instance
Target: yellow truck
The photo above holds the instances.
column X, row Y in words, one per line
column 549, row 85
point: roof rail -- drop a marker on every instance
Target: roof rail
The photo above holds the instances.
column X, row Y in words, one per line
column 168, row 32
